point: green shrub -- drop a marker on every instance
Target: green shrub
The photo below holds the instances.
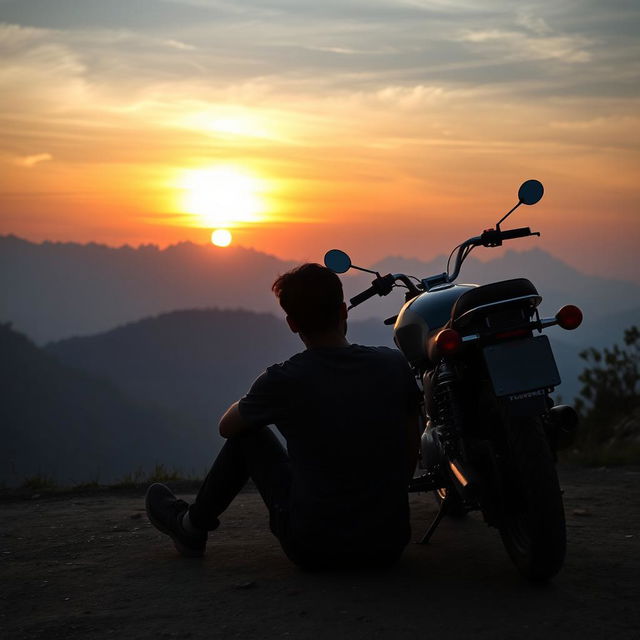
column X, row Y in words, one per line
column 609, row 405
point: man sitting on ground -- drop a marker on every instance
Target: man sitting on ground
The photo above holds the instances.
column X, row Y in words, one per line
column 349, row 414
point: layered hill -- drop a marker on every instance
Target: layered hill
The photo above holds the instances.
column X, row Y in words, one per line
column 193, row 362
column 61, row 422
column 190, row 365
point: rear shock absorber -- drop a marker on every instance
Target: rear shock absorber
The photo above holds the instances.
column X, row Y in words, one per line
column 448, row 411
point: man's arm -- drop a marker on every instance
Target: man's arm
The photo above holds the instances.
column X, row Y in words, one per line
column 261, row 406
column 231, row 424
column 413, row 443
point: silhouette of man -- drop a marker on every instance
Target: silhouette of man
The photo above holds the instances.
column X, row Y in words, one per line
column 349, row 414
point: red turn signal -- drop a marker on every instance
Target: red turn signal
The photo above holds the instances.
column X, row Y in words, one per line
column 569, row 317
column 448, row 341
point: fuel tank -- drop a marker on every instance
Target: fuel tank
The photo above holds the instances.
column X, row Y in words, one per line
column 423, row 315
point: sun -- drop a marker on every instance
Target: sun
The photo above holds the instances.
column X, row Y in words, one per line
column 221, row 237
column 222, row 196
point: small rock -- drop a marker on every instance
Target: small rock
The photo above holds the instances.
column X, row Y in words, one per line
column 135, row 516
column 246, row 585
column 581, row 512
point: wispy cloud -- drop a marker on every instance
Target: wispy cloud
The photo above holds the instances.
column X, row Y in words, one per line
column 31, row 161
column 523, row 46
column 362, row 90
column 176, row 44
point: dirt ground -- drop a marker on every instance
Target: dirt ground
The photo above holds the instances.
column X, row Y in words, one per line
column 91, row 566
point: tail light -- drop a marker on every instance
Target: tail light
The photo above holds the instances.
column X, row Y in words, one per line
column 448, row 341
column 569, row 317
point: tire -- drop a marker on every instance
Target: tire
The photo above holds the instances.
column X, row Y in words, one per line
column 533, row 526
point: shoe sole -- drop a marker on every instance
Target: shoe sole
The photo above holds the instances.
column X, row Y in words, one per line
column 188, row 552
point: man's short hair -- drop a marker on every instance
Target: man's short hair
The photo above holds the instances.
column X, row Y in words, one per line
column 311, row 295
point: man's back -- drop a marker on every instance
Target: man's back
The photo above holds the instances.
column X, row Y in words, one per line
column 344, row 413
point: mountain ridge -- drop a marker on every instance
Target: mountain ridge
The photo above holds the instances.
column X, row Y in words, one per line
column 55, row 290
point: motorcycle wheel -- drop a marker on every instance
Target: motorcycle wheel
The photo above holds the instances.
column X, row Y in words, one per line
column 533, row 529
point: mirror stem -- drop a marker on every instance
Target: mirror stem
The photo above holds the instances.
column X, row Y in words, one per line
column 375, row 273
column 507, row 215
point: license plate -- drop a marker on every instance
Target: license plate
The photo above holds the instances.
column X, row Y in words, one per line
column 520, row 366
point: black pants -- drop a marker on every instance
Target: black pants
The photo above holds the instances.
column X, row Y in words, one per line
column 260, row 456
column 257, row 455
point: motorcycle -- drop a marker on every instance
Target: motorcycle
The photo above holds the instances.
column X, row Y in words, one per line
column 490, row 429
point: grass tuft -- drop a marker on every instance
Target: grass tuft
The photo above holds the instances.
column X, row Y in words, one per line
column 131, row 480
column 39, row 482
column 160, row 473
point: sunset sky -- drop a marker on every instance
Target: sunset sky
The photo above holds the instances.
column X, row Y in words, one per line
column 383, row 127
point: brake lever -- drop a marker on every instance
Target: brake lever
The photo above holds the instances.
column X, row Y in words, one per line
column 384, row 285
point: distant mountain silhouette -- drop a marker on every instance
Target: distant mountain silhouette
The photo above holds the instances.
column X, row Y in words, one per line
column 61, row 422
column 57, row 290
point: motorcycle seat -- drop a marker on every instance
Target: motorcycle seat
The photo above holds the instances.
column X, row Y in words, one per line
column 493, row 293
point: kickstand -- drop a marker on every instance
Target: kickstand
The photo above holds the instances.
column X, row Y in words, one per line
column 444, row 506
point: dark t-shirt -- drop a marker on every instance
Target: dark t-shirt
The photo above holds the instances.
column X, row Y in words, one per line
column 344, row 413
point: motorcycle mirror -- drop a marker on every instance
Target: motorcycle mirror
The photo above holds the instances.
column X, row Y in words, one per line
column 530, row 192
column 338, row 261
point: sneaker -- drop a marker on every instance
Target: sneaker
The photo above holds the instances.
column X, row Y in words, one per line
column 165, row 513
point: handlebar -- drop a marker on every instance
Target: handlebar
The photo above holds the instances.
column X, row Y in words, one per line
column 361, row 297
column 521, row 232
column 382, row 285
column 488, row 238
column 494, row 237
